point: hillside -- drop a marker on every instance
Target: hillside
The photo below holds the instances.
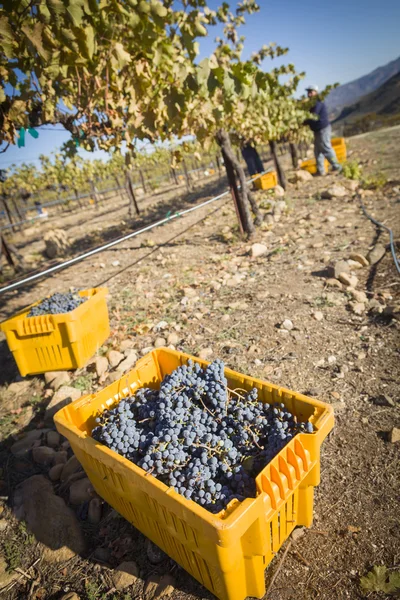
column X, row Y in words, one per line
column 351, row 92
column 379, row 108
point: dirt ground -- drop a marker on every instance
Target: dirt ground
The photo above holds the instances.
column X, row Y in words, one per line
column 196, row 274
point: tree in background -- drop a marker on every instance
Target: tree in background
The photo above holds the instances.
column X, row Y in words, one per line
column 114, row 74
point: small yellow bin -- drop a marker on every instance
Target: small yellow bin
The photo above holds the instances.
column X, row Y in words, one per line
column 58, row 342
column 227, row 552
column 267, row 181
column 339, row 146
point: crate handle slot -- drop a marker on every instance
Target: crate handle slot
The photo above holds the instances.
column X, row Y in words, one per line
column 34, row 326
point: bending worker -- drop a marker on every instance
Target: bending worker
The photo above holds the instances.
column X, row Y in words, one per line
column 322, row 133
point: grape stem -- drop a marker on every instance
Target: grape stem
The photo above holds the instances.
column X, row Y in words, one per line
column 236, row 393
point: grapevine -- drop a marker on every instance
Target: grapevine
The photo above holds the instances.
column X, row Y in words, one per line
column 198, row 437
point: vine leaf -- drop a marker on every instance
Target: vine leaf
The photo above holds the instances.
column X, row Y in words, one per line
column 380, row 580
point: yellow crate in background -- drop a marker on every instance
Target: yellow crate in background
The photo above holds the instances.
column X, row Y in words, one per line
column 58, row 342
column 226, row 552
column 267, row 181
column 339, row 146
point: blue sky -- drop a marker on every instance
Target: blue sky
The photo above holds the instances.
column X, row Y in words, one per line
column 333, row 41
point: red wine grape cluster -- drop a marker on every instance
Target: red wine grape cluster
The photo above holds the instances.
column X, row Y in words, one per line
column 57, row 304
column 197, row 436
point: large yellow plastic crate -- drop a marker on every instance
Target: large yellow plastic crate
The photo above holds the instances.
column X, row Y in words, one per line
column 57, row 342
column 228, row 552
column 339, row 146
column 267, row 181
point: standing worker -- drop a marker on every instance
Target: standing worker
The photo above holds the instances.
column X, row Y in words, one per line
column 252, row 159
column 322, row 133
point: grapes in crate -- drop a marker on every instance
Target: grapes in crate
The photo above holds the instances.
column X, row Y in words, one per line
column 57, row 304
column 196, row 435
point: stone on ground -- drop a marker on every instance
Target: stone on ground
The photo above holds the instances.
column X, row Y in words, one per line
column 53, row 439
column 60, row 457
column 358, row 308
column 173, row 338
column 205, row 353
column 333, row 283
column 287, row 324
column 258, row 250
column 129, row 362
column 43, row 455
column 19, row 387
column 61, row 378
column 300, row 176
column 318, row 315
column 359, row 296
column 55, row 472
column 115, row 357
column 49, row 519
column 101, row 365
column 80, row 491
column 124, row 575
column 71, row 466
column 334, row 191
column 360, row 258
column 348, row 280
column 126, row 345
column 341, row 266
column 94, row 511
column 395, row 435
column 26, row 442
column 279, row 191
column 160, row 342
column 376, row 254
column 63, row 396
column 56, row 243
column 6, row 576
column 159, row 587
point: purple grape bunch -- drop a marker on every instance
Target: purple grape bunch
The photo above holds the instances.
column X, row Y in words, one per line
column 57, row 304
column 197, row 436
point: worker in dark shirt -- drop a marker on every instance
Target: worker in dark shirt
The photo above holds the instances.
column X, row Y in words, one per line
column 322, row 133
column 252, row 159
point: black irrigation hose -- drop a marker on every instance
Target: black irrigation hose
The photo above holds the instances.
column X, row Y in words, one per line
column 382, row 226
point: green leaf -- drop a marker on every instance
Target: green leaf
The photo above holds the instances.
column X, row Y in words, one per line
column 379, row 580
column 56, row 8
column 35, row 37
column 76, row 13
column 229, row 84
column 6, row 32
column 123, row 57
column 89, row 31
column 203, row 71
column 2, row 95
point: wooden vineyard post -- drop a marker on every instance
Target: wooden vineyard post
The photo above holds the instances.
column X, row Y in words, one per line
column 235, row 193
column 133, row 205
column 174, row 176
column 294, row 154
column 11, row 254
column 143, row 181
column 278, row 166
column 8, row 213
column 187, row 177
column 218, row 161
column 95, row 193
column 78, row 200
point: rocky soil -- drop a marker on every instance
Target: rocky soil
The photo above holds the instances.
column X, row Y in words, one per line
column 311, row 303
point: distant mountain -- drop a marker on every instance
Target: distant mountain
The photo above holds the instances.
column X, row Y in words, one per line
column 349, row 93
column 380, row 108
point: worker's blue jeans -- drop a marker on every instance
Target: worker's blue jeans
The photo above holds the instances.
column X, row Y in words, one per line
column 323, row 149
